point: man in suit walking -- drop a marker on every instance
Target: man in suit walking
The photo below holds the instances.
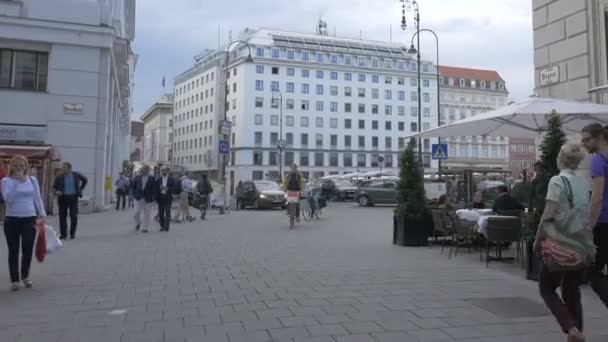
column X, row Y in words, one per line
column 165, row 187
column 68, row 187
column 144, row 192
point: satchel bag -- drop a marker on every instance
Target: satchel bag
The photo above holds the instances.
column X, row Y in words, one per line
column 559, row 252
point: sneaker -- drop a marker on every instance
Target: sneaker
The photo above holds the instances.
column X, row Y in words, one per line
column 15, row 287
column 576, row 335
column 27, row 283
column 144, row 230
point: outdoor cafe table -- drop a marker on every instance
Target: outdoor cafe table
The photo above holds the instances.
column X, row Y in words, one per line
column 472, row 215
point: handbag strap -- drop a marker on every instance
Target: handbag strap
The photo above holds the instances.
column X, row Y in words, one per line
column 569, row 193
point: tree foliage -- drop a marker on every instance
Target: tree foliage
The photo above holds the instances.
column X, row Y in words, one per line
column 550, row 147
column 411, row 196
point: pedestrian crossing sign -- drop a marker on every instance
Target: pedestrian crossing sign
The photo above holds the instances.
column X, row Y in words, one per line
column 440, row 151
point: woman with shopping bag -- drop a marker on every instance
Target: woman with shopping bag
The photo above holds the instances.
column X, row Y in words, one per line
column 24, row 209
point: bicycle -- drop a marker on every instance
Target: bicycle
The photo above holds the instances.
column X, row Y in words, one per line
column 293, row 198
column 311, row 208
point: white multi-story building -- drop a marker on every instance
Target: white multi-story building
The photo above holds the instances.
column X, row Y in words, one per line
column 158, row 125
column 66, row 71
column 464, row 93
column 197, row 110
column 345, row 103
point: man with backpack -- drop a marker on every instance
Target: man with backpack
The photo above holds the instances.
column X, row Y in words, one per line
column 204, row 188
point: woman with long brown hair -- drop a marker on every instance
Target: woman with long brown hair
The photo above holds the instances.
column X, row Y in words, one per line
column 24, row 206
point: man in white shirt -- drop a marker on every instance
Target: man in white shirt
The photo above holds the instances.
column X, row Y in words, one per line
column 145, row 192
column 165, row 185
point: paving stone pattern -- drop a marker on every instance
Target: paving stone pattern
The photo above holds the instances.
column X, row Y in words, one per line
column 246, row 277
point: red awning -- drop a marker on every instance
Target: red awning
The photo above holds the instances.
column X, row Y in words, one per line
column 28, row 151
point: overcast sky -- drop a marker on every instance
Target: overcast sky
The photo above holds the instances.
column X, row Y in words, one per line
column 486, row 34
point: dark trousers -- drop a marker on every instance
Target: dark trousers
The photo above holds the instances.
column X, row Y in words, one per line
column 68, row 203
column 20, row 229
column 567, row 310
column 164, row 214
column 121, row 196
column 597, row 277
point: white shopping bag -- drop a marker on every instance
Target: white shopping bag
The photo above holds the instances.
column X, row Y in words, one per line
column 53, row 244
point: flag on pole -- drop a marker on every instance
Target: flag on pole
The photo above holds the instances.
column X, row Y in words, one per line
column 163, row 81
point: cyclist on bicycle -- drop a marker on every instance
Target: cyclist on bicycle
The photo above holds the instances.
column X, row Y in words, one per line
column 294, row 181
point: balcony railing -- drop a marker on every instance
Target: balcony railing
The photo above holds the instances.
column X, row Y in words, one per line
column 599, row 94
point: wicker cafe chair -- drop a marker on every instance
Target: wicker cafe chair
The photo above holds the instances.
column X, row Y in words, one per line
column 503, row 229
column 440, row 226
column 523, row 216
column 463, row 233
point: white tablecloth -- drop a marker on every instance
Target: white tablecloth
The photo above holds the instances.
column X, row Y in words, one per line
column 472, row 215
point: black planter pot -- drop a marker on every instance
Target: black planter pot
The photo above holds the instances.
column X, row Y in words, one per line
column 533, row 262
column 411, row 232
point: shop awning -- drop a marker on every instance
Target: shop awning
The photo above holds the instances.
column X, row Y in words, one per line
column 28, row 151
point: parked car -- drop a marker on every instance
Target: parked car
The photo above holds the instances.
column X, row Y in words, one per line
column 338, row 189
column 260, row 194
column 375, row 192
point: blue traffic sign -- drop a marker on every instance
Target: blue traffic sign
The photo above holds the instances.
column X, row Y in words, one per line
column 224, row 147
column 440, row 151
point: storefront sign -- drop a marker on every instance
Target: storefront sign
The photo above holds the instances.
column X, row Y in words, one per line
column 107, row 183
column 23, row 133
column 549, row 76
column 73, row 108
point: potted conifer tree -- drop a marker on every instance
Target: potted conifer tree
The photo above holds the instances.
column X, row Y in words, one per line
column 412, row 221
column 550, row 147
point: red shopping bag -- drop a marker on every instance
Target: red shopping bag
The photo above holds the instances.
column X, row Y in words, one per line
column 40, row 242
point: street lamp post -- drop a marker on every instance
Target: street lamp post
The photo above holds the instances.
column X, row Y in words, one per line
column 438, row 83
column 225, row 135
column 281, row 143
column 413, row 4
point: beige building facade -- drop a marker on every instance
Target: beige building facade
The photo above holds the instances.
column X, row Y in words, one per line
column 158, row 127
column 465, row 93
column 570, row 49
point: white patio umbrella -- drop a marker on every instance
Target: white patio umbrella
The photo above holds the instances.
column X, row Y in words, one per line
column 527, row 119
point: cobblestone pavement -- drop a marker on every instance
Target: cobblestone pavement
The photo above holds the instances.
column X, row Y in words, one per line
column 247, row 277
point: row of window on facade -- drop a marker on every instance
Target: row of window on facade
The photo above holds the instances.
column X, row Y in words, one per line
column 191, row 114
column 323, row 159
column 191, row 144
column 290, row 104
column 523, row 148
column 334, row 123
column 324, row 57
column 473, row 100
column 23, row 70
column 346, row 76
column 290, row 88
column 194, row 84
column 195, row 99
column 192, row 159
column 347, row 141
column 193, row 128
column 468, row 83
column 475, row 151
